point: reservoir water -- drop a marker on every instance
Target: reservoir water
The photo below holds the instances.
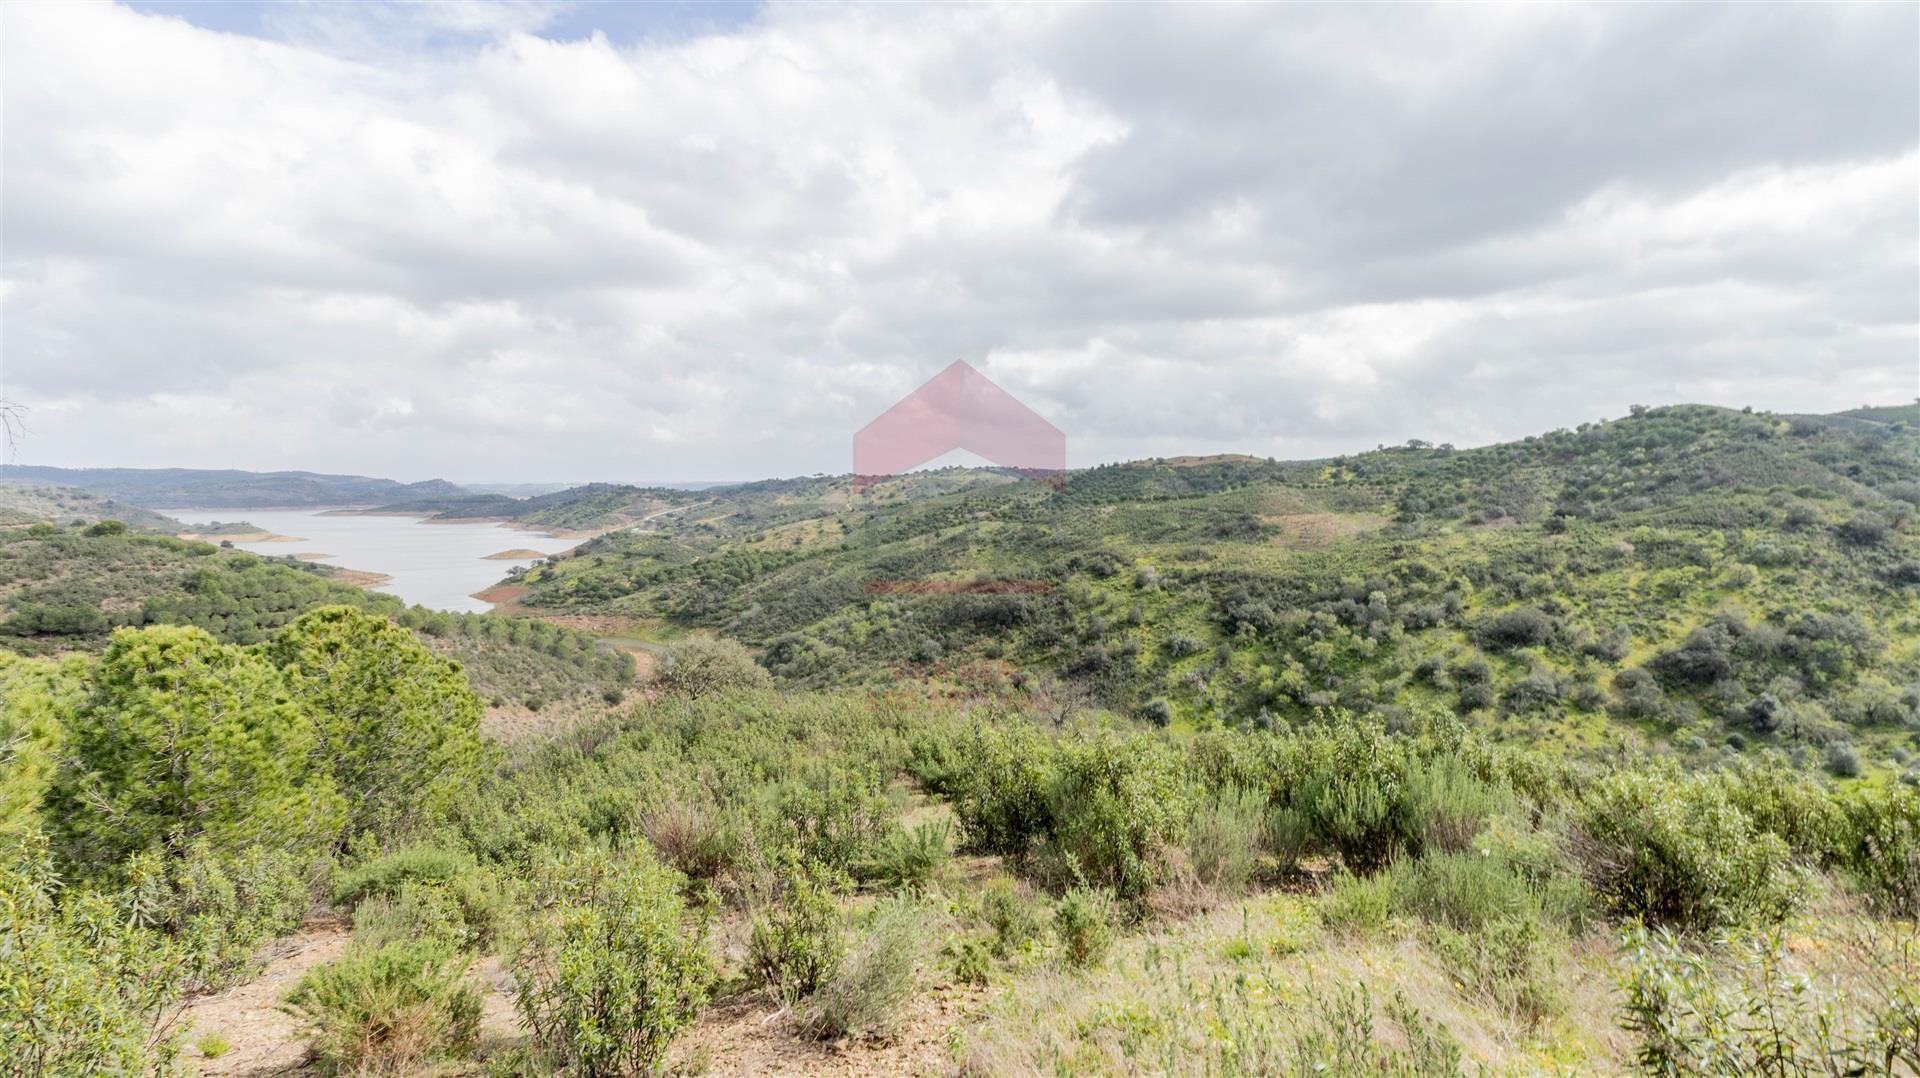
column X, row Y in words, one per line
column 438, row 566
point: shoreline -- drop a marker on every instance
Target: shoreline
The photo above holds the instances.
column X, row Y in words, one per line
column 238, row 537
column 360, row 578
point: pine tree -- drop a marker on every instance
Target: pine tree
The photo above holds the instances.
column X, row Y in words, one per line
column 186, row 739
column 398, row 726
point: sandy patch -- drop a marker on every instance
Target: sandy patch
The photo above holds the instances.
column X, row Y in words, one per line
column 265, row 1039
column 238, row 537
column 501, row 594
column 360, row 578
column 516, row 554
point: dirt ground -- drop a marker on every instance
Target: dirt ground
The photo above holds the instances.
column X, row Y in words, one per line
column 265, row 1039
column 744, row 1035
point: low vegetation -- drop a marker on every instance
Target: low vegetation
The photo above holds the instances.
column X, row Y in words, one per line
column 1423, row 797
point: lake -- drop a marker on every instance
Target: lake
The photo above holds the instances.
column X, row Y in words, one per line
column 438, row 566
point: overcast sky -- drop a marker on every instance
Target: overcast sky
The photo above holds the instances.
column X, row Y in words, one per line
column 706, row 242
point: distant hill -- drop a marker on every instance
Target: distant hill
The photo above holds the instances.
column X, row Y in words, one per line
column 183, row 488
column 590, row 508
column 28, row 503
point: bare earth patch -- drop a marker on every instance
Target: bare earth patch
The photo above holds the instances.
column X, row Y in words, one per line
column 516, row 554
column 360, row 578
column 265, row 1039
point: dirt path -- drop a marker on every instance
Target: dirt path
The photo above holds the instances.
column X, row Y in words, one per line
column 265, row 1039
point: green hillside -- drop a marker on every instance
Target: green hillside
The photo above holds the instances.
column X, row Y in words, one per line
column 209, row 488
column 1700, row 578
column 30, row 503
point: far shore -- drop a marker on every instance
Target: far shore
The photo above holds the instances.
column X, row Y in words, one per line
column 239, row 537
column 360, row 578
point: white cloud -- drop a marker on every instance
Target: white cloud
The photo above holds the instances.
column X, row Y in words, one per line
column 421, row 240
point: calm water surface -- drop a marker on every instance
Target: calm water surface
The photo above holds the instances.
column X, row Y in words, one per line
column 435, row 565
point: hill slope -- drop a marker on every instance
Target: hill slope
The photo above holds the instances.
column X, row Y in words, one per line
column 195, row 488
column 1698, row 577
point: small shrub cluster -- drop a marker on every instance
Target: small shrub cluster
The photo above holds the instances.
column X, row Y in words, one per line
column 389, row 1009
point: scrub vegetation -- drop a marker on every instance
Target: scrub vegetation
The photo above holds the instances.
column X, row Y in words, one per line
column 1589, row 754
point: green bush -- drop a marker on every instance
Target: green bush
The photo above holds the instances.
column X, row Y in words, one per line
column 609, row 971
column 1083, row 922
column 1881, row 847
column 1226, row 837
column 871, row 985
column 387, row 873
column 389, row 1010
column 1358, row 904
column 1013, row 918
column 910, row 861
column 82, row 991
column 1116, row 805
column 218, row 907
column 1740, row 1006
column 704, row 666
column 468, row 912
column 1465, row 891
column 797, row 944
column 1672, row 849
column 397, row 726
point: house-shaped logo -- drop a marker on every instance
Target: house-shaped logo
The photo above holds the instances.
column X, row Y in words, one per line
column 959, row 408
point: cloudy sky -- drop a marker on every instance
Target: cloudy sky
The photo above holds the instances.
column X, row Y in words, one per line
column 711, row 241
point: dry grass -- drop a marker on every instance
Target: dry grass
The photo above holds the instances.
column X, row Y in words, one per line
column 1231, row 992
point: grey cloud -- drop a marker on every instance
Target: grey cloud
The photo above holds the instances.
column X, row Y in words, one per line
column 400, row 246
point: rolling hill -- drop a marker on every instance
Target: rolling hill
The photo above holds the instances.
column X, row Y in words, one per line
column 195, row 488
column 1696, row 578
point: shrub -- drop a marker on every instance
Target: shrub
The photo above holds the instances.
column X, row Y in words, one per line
column 1224, row 839
column 396, row 725
column 701, row 666
column 389, row 1010
column 1083, row 921
column 1523, row 627
column 797, row 944
column 1466, row 891
column 1115, row 804
column 872, row 984
column 1843, row 760
column 1011, row 916
column 468, row 912
column 94, row 991
column 691, row 835
column 1447, row 804
column 219, row 908
column 387, row 873
column 609, row 973
column 911, row 860
column 1356, row 792
column 1880, row 846
column 1741, row 1007
column 1674, row 850
column 1358, row 904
